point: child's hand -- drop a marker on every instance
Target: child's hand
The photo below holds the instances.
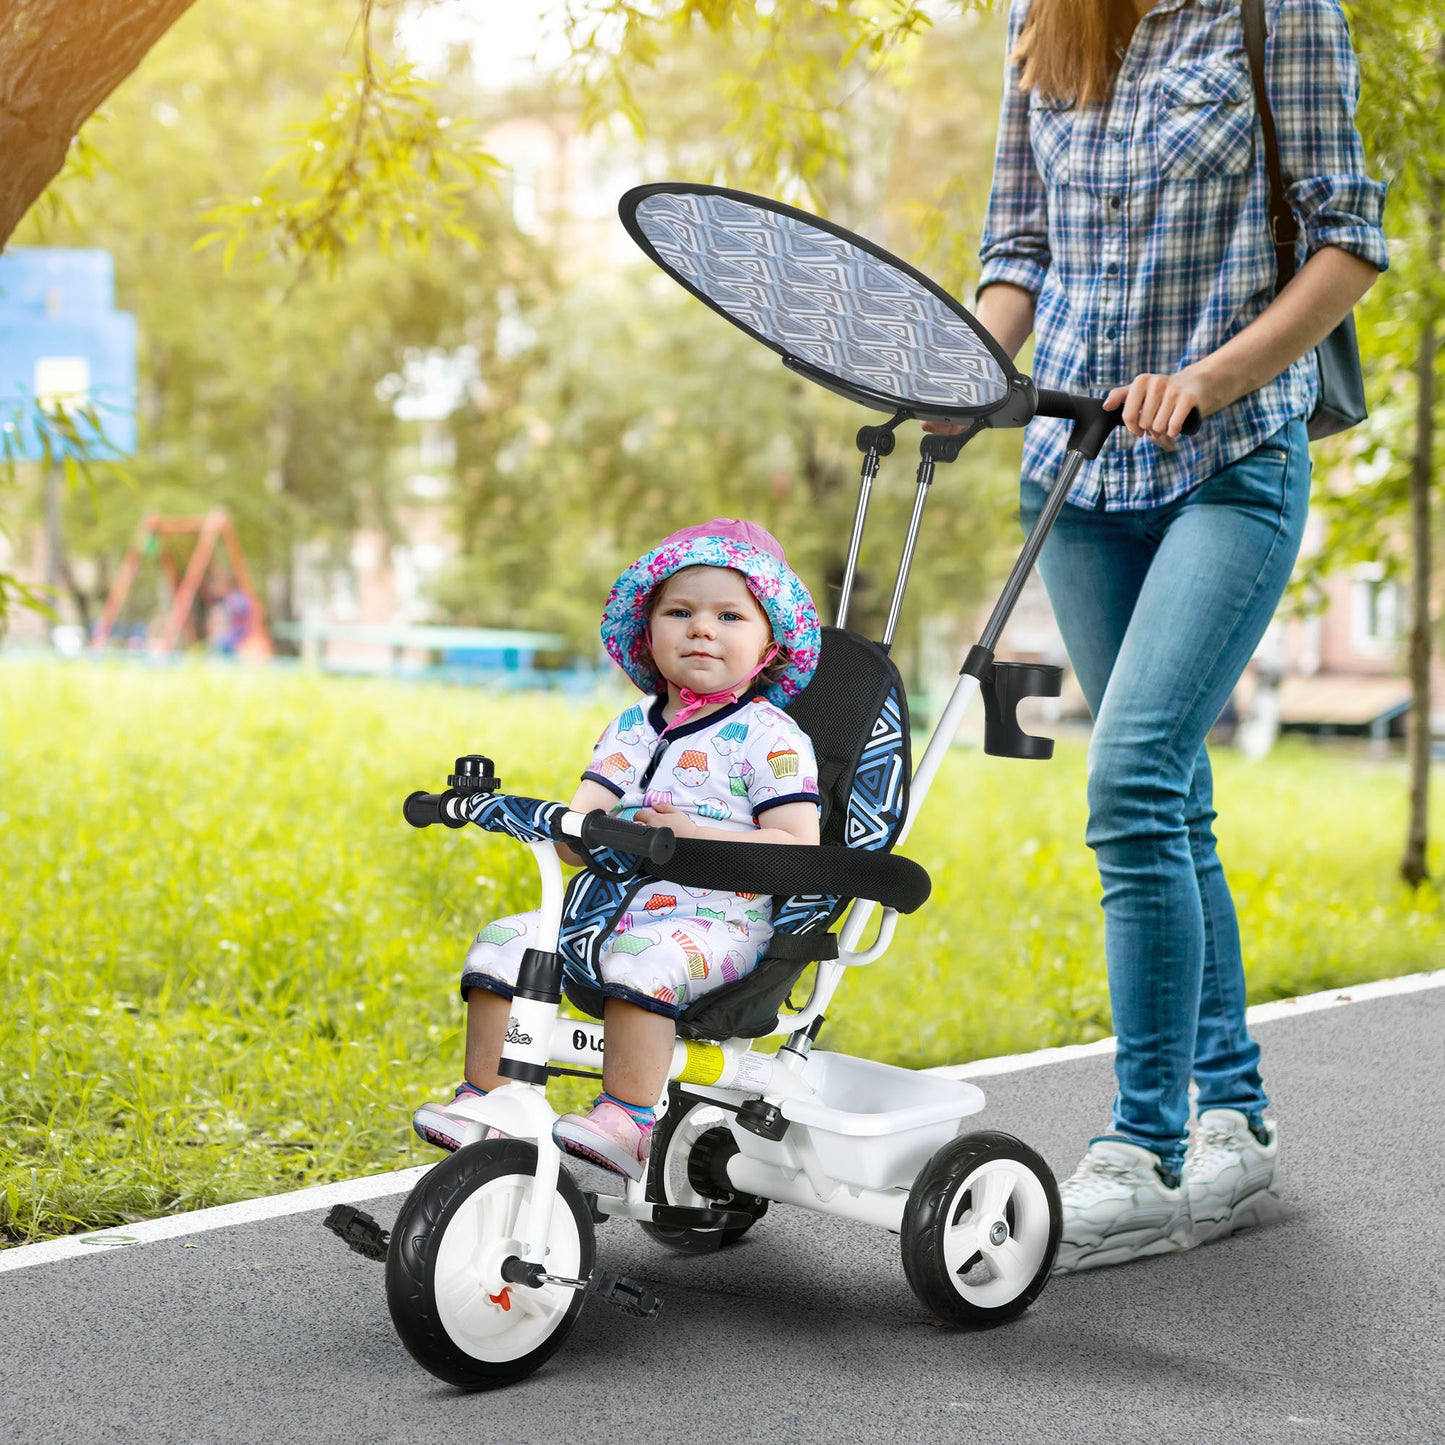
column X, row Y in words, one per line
column 664, row 815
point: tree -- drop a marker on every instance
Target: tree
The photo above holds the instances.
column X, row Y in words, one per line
column 689, row 418
column 379, row 163
column 645, row 411
column 258, row 391
column 58, row 63
column 1402, row 119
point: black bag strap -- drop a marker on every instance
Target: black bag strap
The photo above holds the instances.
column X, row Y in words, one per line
column 1283, row 224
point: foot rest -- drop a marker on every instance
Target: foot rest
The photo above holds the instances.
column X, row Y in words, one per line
column 358, row 1231
column 689, row 1216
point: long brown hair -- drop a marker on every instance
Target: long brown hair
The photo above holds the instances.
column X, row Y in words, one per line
column 1070, row 49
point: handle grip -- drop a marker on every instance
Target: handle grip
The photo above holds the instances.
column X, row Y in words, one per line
column 601, row 830
column 421, row 810
column 1092, row 424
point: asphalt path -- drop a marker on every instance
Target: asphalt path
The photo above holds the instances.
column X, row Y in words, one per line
column 1329, row 1325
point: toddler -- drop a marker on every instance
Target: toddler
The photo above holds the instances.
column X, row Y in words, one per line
column 720, row 632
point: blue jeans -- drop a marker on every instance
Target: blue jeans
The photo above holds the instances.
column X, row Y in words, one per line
column 1160, row 611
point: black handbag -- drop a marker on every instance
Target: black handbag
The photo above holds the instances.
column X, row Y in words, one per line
column 1341, row 401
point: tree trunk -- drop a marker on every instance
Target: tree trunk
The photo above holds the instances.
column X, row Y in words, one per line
column 58, row 567
column 1414, row 865
column 281, row 581
column 59, row 59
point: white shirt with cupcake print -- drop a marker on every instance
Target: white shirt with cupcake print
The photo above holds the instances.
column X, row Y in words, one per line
column 726, row 769
column 674, row 944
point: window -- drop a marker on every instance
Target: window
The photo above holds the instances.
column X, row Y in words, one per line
column 1377, row 610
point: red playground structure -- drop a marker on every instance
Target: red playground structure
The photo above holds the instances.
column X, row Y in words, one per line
column 212, row 577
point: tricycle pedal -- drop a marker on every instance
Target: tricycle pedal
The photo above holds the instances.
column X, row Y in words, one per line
column 358, row 1231
column 631, row 1296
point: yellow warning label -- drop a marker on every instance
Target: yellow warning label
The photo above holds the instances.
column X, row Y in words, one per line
column 704, row 1064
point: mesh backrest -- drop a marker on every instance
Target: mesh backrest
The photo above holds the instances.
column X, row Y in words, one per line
column 855, row 712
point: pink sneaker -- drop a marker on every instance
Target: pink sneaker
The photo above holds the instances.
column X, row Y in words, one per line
column 608, row 1136
column 448, row 1127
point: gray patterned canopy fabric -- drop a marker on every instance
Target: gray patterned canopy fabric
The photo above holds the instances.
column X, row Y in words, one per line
column 822, row 299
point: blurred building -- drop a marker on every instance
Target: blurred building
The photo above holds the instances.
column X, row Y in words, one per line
column 1338, row 670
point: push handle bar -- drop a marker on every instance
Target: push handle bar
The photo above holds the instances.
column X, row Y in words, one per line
column 1092, row 424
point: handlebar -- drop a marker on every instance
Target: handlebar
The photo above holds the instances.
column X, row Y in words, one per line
column 1092, row 424
column 421, row 810
column 591, row 830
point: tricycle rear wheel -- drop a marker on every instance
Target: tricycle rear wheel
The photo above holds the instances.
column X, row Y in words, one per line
column 980, row 1230
column 689, row 1148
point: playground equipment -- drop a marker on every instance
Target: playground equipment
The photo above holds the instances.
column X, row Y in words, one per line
column 214, row 573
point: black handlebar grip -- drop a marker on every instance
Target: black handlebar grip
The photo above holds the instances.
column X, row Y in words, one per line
column 656, row 845
column 421, row 810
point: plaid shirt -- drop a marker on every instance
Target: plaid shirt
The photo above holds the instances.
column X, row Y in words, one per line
column 1140, row 224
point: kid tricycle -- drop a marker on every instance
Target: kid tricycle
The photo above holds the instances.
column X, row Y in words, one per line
column 492, row 1255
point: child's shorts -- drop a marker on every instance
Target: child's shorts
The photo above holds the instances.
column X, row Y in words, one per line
column 660, row 962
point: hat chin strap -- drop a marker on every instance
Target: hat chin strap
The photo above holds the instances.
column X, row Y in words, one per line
column 692, row 701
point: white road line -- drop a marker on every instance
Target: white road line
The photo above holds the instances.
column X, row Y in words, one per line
column 245, row 1211
column 378, row 1186
column 1261, row 1013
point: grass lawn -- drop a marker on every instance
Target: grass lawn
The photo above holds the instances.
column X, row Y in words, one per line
column 229, row 967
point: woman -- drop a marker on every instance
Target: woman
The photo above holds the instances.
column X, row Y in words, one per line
column 1127, row 229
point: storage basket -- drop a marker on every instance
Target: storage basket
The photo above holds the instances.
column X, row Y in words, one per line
column 875, row 1126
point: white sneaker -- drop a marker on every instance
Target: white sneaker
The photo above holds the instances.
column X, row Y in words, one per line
column 1229, row 1181
column 1118, row 1208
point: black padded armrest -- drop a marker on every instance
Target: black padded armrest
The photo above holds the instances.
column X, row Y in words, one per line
column 786, row 868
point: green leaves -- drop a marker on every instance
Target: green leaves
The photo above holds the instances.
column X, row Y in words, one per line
column 70, row 435
column 789, row 73
column 380, row 160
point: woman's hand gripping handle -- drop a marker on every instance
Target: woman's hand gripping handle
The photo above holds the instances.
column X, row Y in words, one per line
column 1094, row 418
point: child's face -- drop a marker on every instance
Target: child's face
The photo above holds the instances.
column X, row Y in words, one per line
column 708, row 632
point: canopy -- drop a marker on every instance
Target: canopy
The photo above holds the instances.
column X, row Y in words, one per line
column 834, row 306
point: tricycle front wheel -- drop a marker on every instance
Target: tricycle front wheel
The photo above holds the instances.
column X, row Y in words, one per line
column 451, row 1306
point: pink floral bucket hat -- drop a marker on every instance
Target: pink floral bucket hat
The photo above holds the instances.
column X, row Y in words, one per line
column 724, row 542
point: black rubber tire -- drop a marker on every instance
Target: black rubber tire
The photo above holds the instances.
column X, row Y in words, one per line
column 938, row 1201
column 690, row 1241
column 411, row 1263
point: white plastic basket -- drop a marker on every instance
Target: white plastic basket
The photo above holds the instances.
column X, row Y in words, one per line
column 875, row 1126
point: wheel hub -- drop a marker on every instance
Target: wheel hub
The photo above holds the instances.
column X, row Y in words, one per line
column 707, row 1164
column 998, row 1233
